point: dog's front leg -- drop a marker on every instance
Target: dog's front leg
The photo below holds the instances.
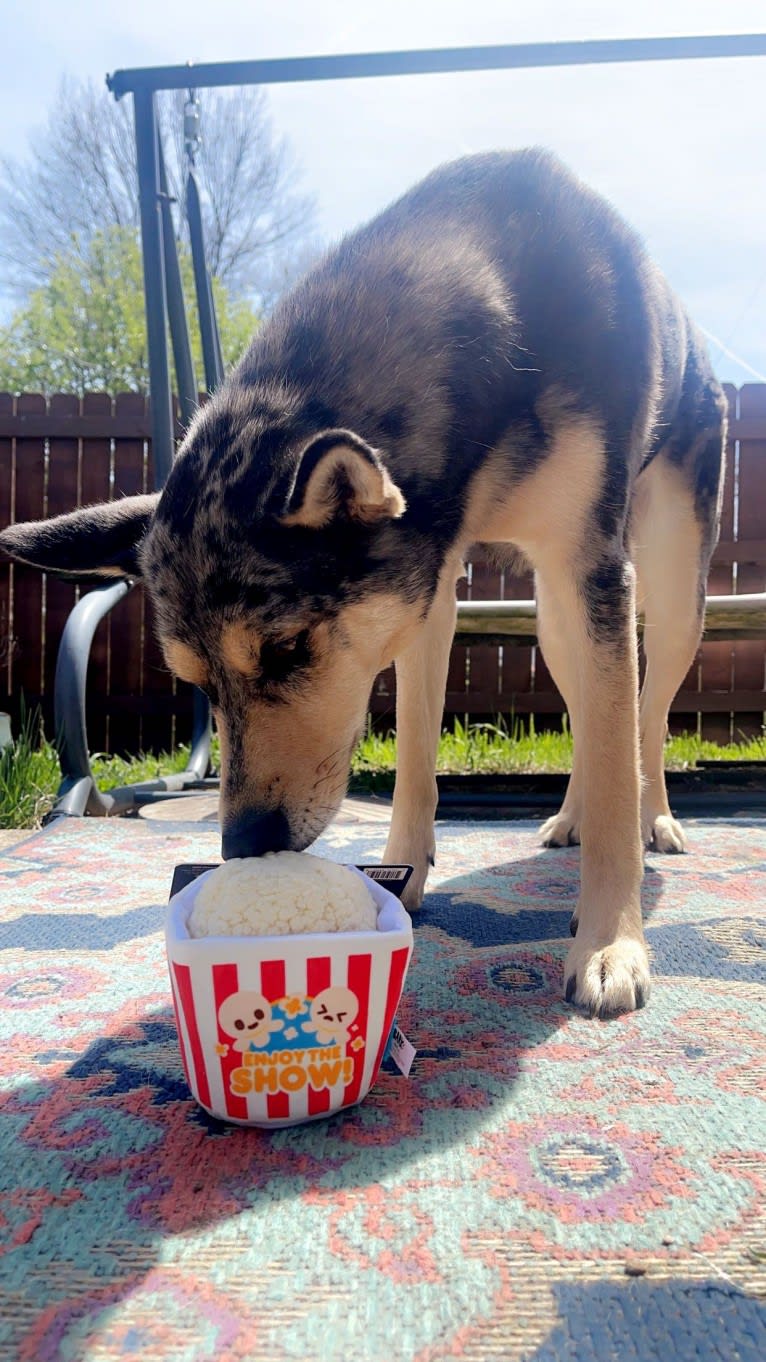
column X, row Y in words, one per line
column 607, row 969
column 421, row 677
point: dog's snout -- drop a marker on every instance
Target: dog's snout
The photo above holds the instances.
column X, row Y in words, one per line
column 256, row 833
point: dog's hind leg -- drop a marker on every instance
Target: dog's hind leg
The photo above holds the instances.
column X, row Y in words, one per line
column 668, row 546
column 563, row 828
column 421, row 678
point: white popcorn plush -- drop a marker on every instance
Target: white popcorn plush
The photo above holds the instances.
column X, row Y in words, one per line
column 281, row 894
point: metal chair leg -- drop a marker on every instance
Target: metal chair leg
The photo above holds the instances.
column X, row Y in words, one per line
column 79, row 793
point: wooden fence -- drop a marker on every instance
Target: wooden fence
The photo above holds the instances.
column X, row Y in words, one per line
column 67, row 452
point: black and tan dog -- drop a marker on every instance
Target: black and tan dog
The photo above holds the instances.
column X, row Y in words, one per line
column 494, row 359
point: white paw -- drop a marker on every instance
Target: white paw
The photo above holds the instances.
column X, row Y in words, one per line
column 398, row 853
column 609, row 980
column 562, row 830
column 412, row 896
column 663, row 833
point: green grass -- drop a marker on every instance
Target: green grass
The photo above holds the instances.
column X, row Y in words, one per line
column 30, row 773
column 29, row 769
column 113, row 771
column 493, row 749
column 685, row 751
column 29, row 776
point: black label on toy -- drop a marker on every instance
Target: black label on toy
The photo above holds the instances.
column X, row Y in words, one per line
column 188, row 871
column 394, row 877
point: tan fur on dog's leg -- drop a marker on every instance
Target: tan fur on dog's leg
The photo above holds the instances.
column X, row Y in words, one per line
column 563, row 828
column 607, row 969
column 421, row 678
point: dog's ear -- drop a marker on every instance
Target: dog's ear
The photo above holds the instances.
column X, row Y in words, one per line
column 338, row 474
column 100, row 541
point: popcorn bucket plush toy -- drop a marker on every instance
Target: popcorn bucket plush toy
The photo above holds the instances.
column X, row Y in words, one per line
column 286, row 971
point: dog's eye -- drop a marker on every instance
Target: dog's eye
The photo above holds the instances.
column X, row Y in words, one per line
column 280, row 656
column 285, row 647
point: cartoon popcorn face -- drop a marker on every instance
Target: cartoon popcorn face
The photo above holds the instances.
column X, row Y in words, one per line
column 332, row 1012
column 247, row 1017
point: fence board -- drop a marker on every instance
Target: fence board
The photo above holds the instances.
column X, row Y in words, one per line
column 484, row 660
column 749, row 657
column 28, row 585
column 128, row 621
column 6, row 515
column 60, row 596
column 95, row 487
column 383, row 698
column 157, row 726
column 516, row 676
column 716, row 659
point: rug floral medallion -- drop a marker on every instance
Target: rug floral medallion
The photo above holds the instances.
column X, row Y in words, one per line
column 541, row 1188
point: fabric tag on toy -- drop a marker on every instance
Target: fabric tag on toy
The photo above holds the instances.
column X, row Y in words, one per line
column 400, row 1050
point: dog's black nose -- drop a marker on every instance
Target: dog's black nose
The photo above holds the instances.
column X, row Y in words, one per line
column 254, row 834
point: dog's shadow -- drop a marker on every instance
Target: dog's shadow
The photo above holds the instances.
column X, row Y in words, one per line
column 114, row 1151
column 524, row 899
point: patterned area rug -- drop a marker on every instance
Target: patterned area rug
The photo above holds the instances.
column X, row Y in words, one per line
column 543, row 1188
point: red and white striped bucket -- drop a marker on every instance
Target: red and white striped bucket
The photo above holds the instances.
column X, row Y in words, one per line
column 274, row 1030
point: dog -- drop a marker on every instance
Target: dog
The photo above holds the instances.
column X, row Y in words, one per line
column 492, row 360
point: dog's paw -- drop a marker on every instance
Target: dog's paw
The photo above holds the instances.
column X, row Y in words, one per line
column 415, row 888
column 562, row 830
column 398, row 854
column 663, row 833
column 609, row 980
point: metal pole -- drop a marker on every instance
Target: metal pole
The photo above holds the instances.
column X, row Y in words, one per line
column 154, row 284
column 179, row 326
column 199, row 758
column 211, row 345
column 216, row 333
column 430, row 61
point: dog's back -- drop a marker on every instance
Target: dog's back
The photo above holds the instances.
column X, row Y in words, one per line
column 438, row 328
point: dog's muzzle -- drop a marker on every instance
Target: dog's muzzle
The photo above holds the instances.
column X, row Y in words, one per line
column 255, row 834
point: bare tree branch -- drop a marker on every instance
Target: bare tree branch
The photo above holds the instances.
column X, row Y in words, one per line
column 80, row 177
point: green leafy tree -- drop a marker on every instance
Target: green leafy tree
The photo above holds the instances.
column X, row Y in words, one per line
column 84, row 329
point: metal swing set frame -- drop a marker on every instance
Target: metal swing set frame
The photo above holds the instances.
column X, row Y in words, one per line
column 166, row 310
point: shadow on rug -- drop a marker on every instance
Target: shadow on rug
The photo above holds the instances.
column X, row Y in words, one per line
column 542, row 1188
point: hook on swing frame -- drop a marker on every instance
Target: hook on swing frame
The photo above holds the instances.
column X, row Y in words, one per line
column 192, row 134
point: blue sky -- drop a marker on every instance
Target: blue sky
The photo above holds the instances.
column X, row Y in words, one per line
column 677, row 147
